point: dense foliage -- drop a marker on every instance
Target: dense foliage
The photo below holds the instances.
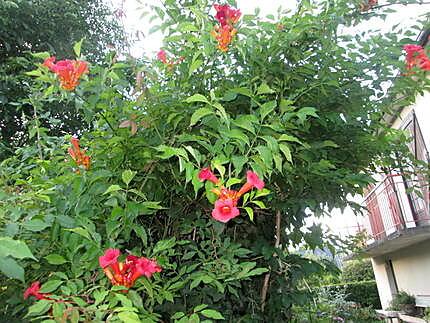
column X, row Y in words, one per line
column 332, row 305
column 46, row 25
column 291, row 99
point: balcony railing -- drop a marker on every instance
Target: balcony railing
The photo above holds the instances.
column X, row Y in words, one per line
column 392, row 206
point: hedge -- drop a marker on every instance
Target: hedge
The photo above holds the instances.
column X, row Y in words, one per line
column 364, row 293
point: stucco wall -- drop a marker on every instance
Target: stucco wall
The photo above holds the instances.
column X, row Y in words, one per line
column 422, row 111
column 382, row 281
column 411, row 269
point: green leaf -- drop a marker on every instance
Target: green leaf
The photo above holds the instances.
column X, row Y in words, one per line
column 194, row 66
column 266, row 154
column 242, row 90
column 58, row 310
column 245, row 122
column 34, row 73
column 212, row 314
column 264, row 89
column 186, row 26
column 129, row 317
column 194, row 152
column 74, row 315
column 306, row 111
column 35, row 225
column 237, row 134
column 39, row 308
column 169, row 152
column 42, row 55
column 257, row 271
column 200, row 307
column 15, row 248
column 285, row 137
column 81, row 231
column 198, row 114
column 238, row 162
column 177, row 315
column 286, row 151
column 164, row 245
column 112, row 188
column 250, row 212
column 77, row 48
column 127, row 176
column 55, row 259
column 260, row 204
column 267, row 108
column 50, row 286
column 11, row 268
column 232, row 181
column 194, row 318
column 196, row 98
column 262, row 192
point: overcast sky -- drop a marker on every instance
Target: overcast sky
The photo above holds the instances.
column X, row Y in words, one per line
column 149, row 45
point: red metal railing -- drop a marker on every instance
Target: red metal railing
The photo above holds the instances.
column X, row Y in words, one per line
column 392, row 207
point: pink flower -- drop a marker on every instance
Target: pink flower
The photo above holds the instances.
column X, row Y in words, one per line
column 142, row 267
column 162, row 56
column 109, row 258
column 147, row 267
column 49, row 62
column 33, row 290
column 68, row 71
column 253, row 179
column 411, row 48
column 206, row 174
column 226, row 15
column 425, row 64
column 415, row 56
column 225, row 210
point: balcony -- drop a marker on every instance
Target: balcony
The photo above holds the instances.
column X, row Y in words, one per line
column 398, row 216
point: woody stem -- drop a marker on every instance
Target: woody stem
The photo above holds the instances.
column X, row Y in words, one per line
column 266, row 281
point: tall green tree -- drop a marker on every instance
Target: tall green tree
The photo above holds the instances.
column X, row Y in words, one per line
column 54, row 26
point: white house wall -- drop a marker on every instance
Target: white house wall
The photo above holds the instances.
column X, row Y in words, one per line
column 411, row 270
column 422, row 111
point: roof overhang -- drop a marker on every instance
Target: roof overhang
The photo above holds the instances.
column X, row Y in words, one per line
column 396, row 241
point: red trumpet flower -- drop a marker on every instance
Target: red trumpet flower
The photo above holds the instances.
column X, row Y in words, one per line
column 225, row 210
column 226, row 204
column 162, row 57
column 206, row 174
column 227, row 18
column 78, row 155
column 226, row 15
column 126, row 273
column 416, row 56
column 68, row 71
column 33, row 290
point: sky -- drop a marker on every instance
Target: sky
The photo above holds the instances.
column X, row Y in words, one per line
column 345, row 222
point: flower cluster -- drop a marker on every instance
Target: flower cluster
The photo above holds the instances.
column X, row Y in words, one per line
column 225, row 31
column 369, row 4
column 125, row 273
column 162, row 57
column 226, row 204
column 34, row 290
column 78, row 155
column 416, row 57
column 68, row 71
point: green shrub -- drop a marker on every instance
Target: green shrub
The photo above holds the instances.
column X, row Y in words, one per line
column 357, row 270
column 400, row 300
column 364, row 293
